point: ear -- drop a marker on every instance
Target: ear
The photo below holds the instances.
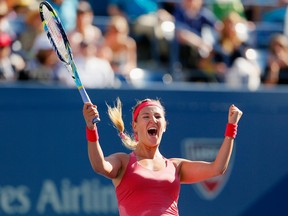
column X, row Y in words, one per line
column 164, row 130
column 134, row 125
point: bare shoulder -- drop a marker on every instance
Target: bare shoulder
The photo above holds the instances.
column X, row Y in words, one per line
column 124, row 160
column 120, row 156
column 178, row 162
column 131, row 43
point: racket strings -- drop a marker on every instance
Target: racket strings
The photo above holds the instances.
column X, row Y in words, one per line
column 55, row 35
column 70, row 70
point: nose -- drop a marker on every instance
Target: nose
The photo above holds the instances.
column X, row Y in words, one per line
column 154, row 119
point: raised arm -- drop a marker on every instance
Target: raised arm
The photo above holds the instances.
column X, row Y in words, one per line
column 106, row 166
column 195, row 171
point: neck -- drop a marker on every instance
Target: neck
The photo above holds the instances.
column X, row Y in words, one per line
column 149, row 153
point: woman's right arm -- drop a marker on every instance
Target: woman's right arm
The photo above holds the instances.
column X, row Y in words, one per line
column 106, row 166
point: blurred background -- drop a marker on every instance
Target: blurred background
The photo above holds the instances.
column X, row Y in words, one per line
column 197, row 56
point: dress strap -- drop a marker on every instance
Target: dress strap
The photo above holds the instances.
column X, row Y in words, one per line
column 133, row 157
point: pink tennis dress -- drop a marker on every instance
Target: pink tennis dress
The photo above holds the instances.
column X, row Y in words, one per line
column 143, row 192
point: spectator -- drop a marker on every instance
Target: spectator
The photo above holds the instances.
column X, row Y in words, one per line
column 122, row 47
column 84, row 29
column 5, row 22
column 12, row 65
column 33, row 28
column 230, row 60
column 191, row 18
column 144, row 19
column 66, row 9
column 222, row 8
column 276, row 71
column 95, row 72
column 18, row 14
column 42, row 67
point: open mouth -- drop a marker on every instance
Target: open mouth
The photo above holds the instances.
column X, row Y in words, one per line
column 152, row 131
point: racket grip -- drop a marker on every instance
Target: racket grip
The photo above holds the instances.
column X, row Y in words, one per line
column 96, row 120
column 85, row 99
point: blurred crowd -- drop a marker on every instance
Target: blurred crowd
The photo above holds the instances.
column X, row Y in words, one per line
column 214, row 41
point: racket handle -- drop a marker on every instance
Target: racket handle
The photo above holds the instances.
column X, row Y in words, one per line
column 96, row 120
column 85, row 99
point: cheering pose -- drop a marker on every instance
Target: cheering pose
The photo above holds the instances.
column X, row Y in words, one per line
column 146, row 182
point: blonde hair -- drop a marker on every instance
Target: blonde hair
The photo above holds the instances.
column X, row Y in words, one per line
column 115, row 115
column 120, row 24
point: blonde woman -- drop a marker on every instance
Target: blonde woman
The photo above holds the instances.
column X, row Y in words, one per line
column 121, row 47
column 146, row 182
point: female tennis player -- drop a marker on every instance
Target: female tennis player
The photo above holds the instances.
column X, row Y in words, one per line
column 147, row 183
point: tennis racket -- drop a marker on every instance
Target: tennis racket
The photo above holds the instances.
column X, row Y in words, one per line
column 59, row 41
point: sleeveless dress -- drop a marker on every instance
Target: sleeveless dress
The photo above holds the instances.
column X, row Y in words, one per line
column 143, row 192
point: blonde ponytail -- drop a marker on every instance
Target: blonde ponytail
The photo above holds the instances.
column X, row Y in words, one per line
column 115, row 114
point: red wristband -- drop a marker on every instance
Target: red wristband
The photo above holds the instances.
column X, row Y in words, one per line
column 92, row 135
column 231, row 130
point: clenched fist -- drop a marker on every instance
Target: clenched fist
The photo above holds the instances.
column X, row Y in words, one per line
column 234, row 114
column 90, row 112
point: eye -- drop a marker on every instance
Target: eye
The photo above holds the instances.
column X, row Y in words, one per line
column 158, row 116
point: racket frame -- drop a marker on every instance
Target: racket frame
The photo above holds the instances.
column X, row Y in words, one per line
column 69, row 63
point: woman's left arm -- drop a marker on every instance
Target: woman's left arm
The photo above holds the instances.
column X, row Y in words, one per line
column 195, row 171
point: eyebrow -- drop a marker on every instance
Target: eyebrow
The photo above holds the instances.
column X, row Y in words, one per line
column 147, row 113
